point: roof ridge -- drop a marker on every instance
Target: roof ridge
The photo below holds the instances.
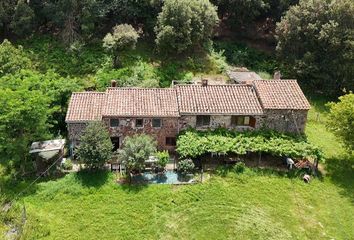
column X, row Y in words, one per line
column 138, row 88
column 216, row 85
column 88, row 92
column 275, row 80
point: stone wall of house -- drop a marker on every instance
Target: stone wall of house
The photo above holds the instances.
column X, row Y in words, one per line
column 279, row 120
column 74, row 132
column 169, row 128
column 216, row 121
column 292, row 121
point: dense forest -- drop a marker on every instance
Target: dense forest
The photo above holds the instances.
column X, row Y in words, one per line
column 51, row 48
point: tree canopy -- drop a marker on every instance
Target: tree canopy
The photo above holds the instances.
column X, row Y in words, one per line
column 23, row 119
column 341, row 120
column 32, row 104
column 316, row 41
column 184, row 24
column 12, row 59
column 124, row 37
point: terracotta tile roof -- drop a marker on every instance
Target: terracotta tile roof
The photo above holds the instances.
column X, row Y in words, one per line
column 243, row 76
column 281, row 94
column 85, row 106
column 218, row 99
column 156, row 102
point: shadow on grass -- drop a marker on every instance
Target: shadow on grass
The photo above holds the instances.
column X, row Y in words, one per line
column 318, row 101
column 92, row 178
column 17, row 187
column 134, row 187
column 341, row 172
column 224, row 171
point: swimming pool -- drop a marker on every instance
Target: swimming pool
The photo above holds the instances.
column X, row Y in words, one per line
column 168, row 177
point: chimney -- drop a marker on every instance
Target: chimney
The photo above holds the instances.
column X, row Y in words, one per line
column 277, row 75
column 204, row 82
column 113, row 83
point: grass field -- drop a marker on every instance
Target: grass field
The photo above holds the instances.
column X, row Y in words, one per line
column 248, row 206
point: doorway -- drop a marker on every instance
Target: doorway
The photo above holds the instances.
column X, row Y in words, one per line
column 115, row 142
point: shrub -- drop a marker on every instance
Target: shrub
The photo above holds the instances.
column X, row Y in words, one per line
column 239, row 167
column 95, row 145
column 218, row 60
column 136, row 150
column 141, row 74
column 240, row 55
column 222, row 170
column 67, row 165
column 163, row 158
column 185, row 166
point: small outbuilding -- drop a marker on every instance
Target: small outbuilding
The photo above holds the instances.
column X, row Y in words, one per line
column 47, row 152
column 242, row 76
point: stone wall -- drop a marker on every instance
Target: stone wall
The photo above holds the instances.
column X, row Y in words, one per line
column 74, row 131
column 286, row 120
column 216, row 121
column 279, row 120
column 169, row 128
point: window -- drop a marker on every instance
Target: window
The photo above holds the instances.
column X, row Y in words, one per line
column 156, row 122
column 139, row 123
column 240, row 120
column 170, row 141
column 203, row 120
column 114, row 122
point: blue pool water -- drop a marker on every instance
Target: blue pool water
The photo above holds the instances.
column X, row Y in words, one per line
column 168, row 177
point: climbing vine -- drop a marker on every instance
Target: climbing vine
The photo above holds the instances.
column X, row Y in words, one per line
column 192, row 143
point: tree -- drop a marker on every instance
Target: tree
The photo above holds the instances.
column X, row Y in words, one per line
column 316, row 42
column 75, row 19
column 124, row 37
column 23, row 19
column 142, row 12
column 341, row 120
column 239, row 13
column 23, row 119
column 185, row 24
column 136, row 150
column 277, row 8
column 12, row 58
column 95, row 145
column 56, row 88
column 7, row 8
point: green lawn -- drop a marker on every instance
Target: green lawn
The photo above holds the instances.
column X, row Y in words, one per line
column 316, row 130
column 247, row 206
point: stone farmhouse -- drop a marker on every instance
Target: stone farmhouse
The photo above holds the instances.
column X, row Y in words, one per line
column 164, row 112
